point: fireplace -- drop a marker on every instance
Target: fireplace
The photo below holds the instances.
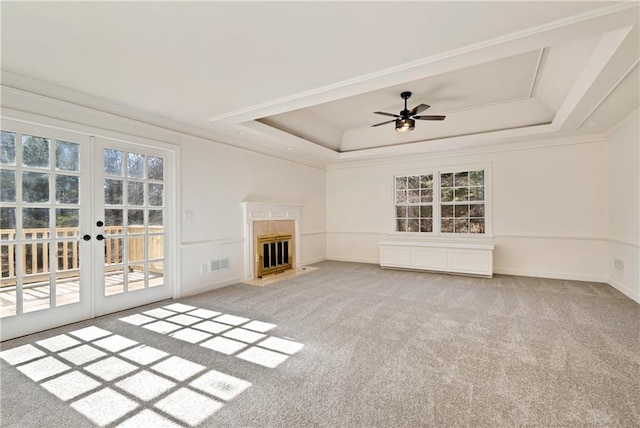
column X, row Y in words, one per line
column 274, row 254
column 281, row 224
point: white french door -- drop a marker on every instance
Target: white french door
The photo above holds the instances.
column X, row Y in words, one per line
column 78, row 236
column 132, row 188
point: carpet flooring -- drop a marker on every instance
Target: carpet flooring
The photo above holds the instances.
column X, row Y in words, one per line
column 347, row 345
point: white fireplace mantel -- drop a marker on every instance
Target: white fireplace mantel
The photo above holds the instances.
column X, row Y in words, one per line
column 267, row 211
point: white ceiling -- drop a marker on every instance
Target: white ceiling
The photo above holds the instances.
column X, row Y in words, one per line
column 301, row 80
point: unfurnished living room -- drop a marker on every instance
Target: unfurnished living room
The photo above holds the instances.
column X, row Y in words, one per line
column 320, row 214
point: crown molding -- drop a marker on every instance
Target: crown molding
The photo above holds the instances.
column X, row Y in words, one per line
column 506, row 146
column 538, row 37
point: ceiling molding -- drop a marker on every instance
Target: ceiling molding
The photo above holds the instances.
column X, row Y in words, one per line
column 609, row 45
column 517, row 42
column 446, row 143
column 609, row 92
column 506, row 146
column 538, row 72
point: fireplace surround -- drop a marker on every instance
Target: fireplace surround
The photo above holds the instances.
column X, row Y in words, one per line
column 269, row 219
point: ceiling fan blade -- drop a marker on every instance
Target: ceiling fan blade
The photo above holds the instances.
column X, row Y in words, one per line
column 418, row 109
column 385, row 114
column 429, row 117
column 383, row 123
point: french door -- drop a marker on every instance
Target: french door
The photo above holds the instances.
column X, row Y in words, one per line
column 84, row 227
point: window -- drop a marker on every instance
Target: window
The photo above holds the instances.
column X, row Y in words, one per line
column 450, row 202
column 462, row 202
column 414, row 203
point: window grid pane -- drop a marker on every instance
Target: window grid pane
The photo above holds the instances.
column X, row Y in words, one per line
column 462, row 202
column 414, row 199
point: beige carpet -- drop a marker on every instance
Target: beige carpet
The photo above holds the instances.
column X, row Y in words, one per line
column 347, row 345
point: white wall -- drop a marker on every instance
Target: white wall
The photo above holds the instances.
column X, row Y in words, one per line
column 214, row 182
column 624, row 205
column 549, row 207
column 214, row 179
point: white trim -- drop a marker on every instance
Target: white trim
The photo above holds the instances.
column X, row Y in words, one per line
column 624, row 290
column 313, row 233
column 559, row 237
column 537, row 74
column 497, row 148
column 312, row 261
column 218, row 241
column 498, row 47
column 356, row 232
column 625, row 243
column 214, row 286
column 549, row 275
column 353, row 260
column 462, row 245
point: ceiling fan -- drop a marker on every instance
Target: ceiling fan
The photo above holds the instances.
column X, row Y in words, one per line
column 405, row 121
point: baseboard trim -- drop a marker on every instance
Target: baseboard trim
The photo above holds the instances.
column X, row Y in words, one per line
column 312, row 261
column 624, row 290
column 210, row 287
column 550, row 275
column 353, row 259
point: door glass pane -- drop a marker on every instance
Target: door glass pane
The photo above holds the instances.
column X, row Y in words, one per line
column 67, row 273
column 7, row 186
column 155, row 195
column 135, row 193
column 113, row 192
column 156, row 274
column 135, row 248
column 7, row 280
column 113, row 251
column 36, row 288
column 35, row 151
column 135, row 218
column 135, row 278
column 67, row 189
column 113, row 221
column 7, row 148
column 67, row 156
column 155, row 168
column 7, row 222
column 135, row 165
column 113, row 280
column 113, row 162
column 156, row 247
column 67, row 222
column 35, row 222
column 155, row 219
column 35, row 187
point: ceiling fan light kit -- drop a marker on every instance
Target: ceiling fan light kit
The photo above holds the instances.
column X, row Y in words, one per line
column 405, row 121
column 405, row 125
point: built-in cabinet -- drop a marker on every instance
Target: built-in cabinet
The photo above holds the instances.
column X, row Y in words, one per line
column 465, row 258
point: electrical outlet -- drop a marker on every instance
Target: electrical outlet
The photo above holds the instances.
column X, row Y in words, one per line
column 618, row 265
column 204, row 269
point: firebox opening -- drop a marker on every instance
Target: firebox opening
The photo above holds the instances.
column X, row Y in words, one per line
column 274, row 254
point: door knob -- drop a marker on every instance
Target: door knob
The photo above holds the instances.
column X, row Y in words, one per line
column 99, row 237
column 99, row 223
column 86, row 237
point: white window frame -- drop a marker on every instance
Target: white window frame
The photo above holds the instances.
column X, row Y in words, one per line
column 436, row 171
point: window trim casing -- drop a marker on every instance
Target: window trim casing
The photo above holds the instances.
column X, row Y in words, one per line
column 436, row 171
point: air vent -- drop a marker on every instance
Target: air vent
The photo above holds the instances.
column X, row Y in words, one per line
column 218, row 264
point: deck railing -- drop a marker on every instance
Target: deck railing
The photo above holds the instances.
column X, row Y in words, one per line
column 35, row 254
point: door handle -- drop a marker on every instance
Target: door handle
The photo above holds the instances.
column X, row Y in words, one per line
column 99, row 237
column 86, row 237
